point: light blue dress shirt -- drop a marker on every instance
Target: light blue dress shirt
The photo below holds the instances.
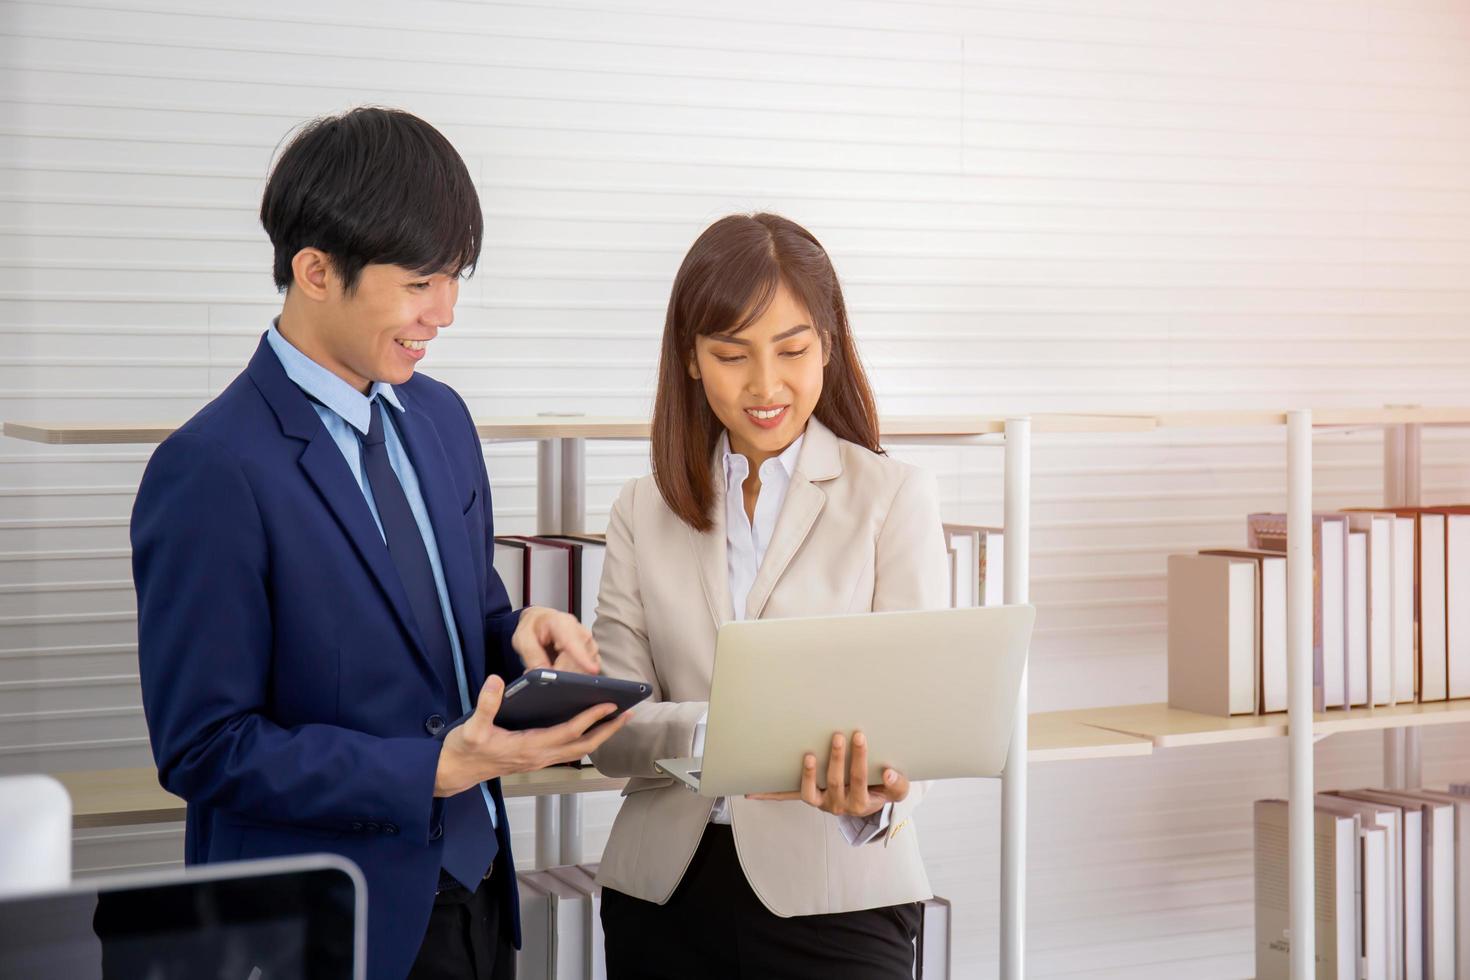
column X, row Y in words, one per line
column 347, row 413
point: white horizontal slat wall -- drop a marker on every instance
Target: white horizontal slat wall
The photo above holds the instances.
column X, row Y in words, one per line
column 1054, row 205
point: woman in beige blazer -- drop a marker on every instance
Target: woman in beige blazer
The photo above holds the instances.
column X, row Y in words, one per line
column 769, row 497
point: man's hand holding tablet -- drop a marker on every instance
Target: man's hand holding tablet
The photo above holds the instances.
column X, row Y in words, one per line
column 480, row 749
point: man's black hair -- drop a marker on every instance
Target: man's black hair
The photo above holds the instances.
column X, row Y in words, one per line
column 372, row 185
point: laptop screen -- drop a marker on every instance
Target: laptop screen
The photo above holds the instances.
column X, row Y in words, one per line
column 294, row 919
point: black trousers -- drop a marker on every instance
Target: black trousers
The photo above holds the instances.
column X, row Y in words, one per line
column 468, row 936
column 715, row 927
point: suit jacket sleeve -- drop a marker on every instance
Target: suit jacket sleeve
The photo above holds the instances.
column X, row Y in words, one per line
column 659, row 729
column 500, row 619
column 911, row 572
column 205, row 644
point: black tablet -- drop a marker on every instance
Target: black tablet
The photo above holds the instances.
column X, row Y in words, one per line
column 540, row 698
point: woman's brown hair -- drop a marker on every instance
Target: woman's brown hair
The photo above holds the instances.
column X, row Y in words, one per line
column 725, row 283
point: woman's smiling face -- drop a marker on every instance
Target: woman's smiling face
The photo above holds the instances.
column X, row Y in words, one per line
column 764, row 382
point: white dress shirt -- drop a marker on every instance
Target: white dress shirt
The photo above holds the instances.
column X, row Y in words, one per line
column 746, row 542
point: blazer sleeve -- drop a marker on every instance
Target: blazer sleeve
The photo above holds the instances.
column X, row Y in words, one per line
column 911, row 565
column 201, row 569
column 500, row 619
column 911, row 571
column 659, row 729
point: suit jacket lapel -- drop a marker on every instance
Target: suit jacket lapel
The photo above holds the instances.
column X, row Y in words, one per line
column 710, row 556
column 819, row 461
column 324, row 466
column 436, row 484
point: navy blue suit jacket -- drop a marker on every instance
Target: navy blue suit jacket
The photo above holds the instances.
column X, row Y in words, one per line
column 289, row 696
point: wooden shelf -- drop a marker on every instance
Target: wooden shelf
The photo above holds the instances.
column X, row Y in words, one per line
column 125, row 797
column 1395, row 716
column 1321, row 417
column 90, row 433
column 559, row 780
column 1055, row 737
column 591, row 427
column 119, row 798
column 1170, row 727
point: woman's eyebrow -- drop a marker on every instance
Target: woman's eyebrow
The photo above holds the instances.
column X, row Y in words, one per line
column 726, row 338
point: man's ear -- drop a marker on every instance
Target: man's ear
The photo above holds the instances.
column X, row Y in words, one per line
column 313, row 273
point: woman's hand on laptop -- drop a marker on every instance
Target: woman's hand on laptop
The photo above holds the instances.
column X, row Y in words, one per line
column 479, row 749
column 848, row 793
column 551, row 638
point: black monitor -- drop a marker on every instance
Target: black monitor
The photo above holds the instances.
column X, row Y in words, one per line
column 299, row 918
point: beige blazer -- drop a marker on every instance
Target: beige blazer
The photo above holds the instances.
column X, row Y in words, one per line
column 858, row 532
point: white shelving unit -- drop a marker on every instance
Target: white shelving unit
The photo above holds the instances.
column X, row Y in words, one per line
column 561, row 508
column 1165, row 726
column 1122, row 730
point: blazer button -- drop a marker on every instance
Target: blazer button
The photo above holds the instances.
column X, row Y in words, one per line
column 373, row 828
column 357, row 827
column 389, row 828
column 434, row 724
column 437, row 831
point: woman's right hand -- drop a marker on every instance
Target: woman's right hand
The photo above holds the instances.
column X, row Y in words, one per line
column 847, row 793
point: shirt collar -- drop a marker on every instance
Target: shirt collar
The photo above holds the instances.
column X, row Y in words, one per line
column 353, row 406
column 787, row 458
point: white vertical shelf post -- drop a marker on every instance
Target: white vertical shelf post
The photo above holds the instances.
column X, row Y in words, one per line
column 1013, row 781
column 1402, row 760
column 1395, row 494
column 1413, row 469
column 1302, row 803
column 573, row 521
column 548, row 521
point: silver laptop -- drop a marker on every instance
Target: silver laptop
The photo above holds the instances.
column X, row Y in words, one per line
column 934, row 693
column 291, row 918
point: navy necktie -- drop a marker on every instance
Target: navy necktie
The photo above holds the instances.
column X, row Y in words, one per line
column 469, row 837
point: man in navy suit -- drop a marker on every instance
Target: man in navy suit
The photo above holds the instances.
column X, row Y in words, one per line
column 313, row 555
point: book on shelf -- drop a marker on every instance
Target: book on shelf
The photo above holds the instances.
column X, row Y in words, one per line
column 932, row 952
column 567, row 910
column 1429, row 880
column 1214, row 634
column 1433, row 613
column 1378, row 942
column 591, row 901
column 1356, row 633
column 591, row 550
column 1404, row 619
column 1390, row 610
column 1387, row 907
column 1267, row 532
column 1406, row 859
column 599, row 943
column 1431, row 625
column 1378, row 604
column 1337, row 857
column 513, row 565
column 1457, row 603
column 550, row 575
column 533, row 959
column 1271, row 663
column 977, row 564
column 1449, row 900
